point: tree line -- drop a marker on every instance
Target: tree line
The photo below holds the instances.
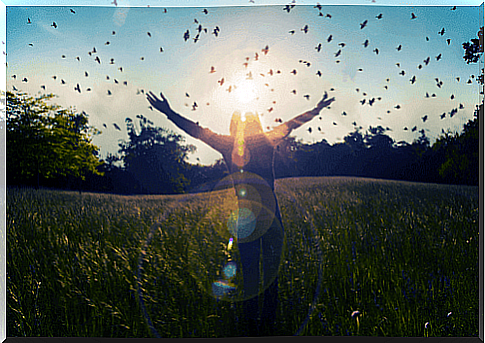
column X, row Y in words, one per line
column 49, row 146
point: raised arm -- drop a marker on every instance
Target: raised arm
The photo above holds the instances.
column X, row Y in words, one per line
column 283, row 130
column 218, row 142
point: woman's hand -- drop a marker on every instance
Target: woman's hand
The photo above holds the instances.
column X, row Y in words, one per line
column 161, row 105
column 324, row 102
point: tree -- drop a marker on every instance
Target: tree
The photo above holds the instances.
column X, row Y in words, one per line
column 47, row 141
column 156, row 157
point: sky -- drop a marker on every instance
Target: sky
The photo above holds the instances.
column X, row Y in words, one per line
column 182, row 70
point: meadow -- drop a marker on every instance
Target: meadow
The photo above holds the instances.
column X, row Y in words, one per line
column 361, row 257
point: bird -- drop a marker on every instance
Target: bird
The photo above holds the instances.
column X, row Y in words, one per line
column 310, row 129
column 362, row 25
column 318, row 47
column 366, row 43
column 319, row 73
column 427, row 95
column 413, row 16
column 97, row 59
column 77, row 58
column 426, row 61
column 42, row 86
column 54, row 25
column 318, row 6
column 77, row 88
column 288, row 8
column 344, row 113
column 405, row 128
column 109, row 92
column 205, row 11
column 88, row 89
column 399, row 48
column 414, row 128
column 72, row 11
column 334, row 123
column 63, row 82
column 420, row 66
column 453, row 112
column 402, row 72
column 116, row 81
column 328, row 15
column 256, row 56
column 442, row 116
column 113, row 33
column 341, row 44
column 25, row 79
column 337, row 54
column 371, row 101
column 305, row 29
column 293, row 72
column 112, row 61
column 413, row 80
column 292, row 32
column 120, row 69
column 379, row 16
column 329, row 39
column 397, row 107
column 438, row 57
column 186, row 35
column 107, row 77
column 307, row 96
column 442, row 32
column 30, row 44
column 461, row 107
column 28, row 21
column 398, row 65
column 63, row 56
column 265, row 50
column 453, row 8
column 376, row 51
column 125, row 83
column 424, row 118
column 362, row 101
column 448, row 41
column 458, row 79
column 149, row 34
column 452, row 97
column 161, row 49
column 360, row 69
column 116, row 127
column 221, row 81
column 294, row 91
column 194, row 106
column 427, row 38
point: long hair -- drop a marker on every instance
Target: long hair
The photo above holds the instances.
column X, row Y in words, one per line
column 250, row 126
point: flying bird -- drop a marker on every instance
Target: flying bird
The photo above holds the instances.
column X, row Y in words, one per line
column 318, row 47
column 362, row 25
column 307, row 96
column 424, row 118
column 337, row 54
column 319, row 73
column 77, row 88
column 341, row 44
column 414, row 128
column 376, row 51
column 54, row 25
column 461, row 107
column 399, row 48
column 186, row 35
column 442, row 32
column 205, row 11
column 291, row 32
column 116, row 127
column 25, row 79
column 448, row 41
column 452, row 97
column 97, row 59
column 402, row 72
column 413, row 16
column 265, row 50
column 28, row 21
column 293, row 72
column 109, row 92
column 413, row 80
column 213, row 70
column 329, row 39
column 72, row 11
column 397, row 107
column 149, row 34
column 366, row 43
column 442, row 116
column 379, row 16
column 438, row 57
column 305, row 29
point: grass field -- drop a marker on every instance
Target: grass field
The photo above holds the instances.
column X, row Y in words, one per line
column 404, row 255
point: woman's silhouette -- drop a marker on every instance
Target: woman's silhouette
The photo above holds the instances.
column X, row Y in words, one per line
column 249, row 155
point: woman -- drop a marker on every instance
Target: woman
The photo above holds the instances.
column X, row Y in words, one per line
column 249, row 155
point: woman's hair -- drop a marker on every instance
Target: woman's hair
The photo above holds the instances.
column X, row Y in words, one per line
column 251, row 125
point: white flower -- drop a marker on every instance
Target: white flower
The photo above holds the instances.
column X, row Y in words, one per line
column 426, row 325
column 355, row 313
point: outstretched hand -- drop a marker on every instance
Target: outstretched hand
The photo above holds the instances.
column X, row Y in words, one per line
column 161, row 105
column 324, row 102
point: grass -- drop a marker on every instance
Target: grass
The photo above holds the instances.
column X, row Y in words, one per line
column 404, row 255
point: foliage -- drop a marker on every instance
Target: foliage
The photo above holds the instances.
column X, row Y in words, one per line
column 155, row 157
column 47, row 140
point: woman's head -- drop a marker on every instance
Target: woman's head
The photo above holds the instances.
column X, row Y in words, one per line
column 249, row 124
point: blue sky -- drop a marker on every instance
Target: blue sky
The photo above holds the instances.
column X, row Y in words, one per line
column 183, row 66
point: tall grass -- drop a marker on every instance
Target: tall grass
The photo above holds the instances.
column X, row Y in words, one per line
column 404, row 255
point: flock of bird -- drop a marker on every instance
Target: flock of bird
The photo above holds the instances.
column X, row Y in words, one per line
column 201, row 31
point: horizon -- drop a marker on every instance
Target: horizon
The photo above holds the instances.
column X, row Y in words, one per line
column 183, row 67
